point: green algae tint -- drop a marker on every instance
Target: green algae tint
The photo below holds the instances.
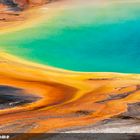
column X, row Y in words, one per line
column 93, row 39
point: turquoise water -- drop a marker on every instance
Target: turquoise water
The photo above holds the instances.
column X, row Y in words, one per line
column 101, row 39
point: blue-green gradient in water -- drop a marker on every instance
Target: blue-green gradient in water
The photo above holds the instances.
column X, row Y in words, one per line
column 93, row 39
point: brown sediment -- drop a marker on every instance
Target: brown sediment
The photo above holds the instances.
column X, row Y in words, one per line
column 23, row 4
column 24, row 17
column 68, row 98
